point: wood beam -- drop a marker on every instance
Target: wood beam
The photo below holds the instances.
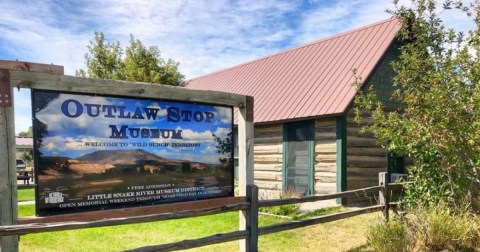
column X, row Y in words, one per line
column 245, row 167
column 31, row 67
column 65, row 83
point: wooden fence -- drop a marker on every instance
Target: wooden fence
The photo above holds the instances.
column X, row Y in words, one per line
column 50, row 77
column 250, row 204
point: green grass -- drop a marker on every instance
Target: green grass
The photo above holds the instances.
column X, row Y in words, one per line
column 26, row 210
column 26, row 193
column 335, row 236
column 131, row 236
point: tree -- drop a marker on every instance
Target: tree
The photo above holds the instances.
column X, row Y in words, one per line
column 438, row 83
column 27, row 156
column 105, row 60
column 28, row 133
column 225, row 147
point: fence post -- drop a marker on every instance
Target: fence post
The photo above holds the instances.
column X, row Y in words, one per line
column 384, row 196
column 245, row 158
column 252, row 218
column 8, row 169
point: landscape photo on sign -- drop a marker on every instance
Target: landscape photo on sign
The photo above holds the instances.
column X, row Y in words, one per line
column 101, row 152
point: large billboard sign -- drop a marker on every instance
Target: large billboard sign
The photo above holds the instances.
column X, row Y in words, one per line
column 102, row 152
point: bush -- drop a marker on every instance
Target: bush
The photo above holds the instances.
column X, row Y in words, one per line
column 428, row 229
column 439, row 229
column 291, row 210
column 389, row 236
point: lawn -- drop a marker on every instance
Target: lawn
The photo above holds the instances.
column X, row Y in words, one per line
column 343, row 235
column 26, row 193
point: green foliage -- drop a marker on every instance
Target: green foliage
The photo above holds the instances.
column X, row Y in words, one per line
column 28, row 133
column 27, row 156
column 388, row 236
column 105, row 60
column 291, row 210
column 438, row 82
column 225, row 147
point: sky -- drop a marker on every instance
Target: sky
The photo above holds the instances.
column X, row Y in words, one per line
column 82, row 124
column 203, row 35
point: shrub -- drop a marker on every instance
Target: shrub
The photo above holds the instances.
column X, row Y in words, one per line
column 291, row 210
column 428, row 229
column 389, row 236
column 439, row 229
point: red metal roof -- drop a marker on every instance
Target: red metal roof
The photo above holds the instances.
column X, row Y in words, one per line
column 308, row 81
column 23, row 141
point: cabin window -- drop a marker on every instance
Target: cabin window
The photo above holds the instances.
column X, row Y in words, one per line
column 298, row 157
column 396, row 164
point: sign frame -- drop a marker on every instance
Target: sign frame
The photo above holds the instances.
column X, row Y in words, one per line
column 44, row 212
column 50, row 77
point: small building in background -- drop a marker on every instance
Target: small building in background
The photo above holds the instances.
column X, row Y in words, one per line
column 24, row 145
column 306, row 140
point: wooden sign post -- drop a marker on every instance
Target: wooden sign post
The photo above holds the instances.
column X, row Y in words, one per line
column 49, row 77
column 8, row 167
column 245, row 169
column 8, row 170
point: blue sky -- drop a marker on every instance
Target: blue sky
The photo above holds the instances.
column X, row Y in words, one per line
column 72, row 130
column 203, row 35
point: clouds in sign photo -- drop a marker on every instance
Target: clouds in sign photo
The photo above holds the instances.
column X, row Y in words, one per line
column 76, row 125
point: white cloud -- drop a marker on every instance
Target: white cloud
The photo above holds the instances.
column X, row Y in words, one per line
column 225, row 114
column 85, row 124
column 50, row 146
column 202, row 35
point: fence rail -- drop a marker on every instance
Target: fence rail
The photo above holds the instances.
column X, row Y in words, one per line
column 250, row 205
column 278, row 202
column 61, row 226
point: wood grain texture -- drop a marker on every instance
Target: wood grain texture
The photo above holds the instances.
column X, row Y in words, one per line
column 135, row 211
column 325, row 167
column 269, row 185
column 268, row 152
column 252, row 223
column 123, row 88
column 245, row 159
column 6, row 94
column 59, row 226
column 8, row 177
column 31, row 67
column 278, row 202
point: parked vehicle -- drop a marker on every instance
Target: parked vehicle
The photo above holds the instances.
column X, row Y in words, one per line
column 21, row 164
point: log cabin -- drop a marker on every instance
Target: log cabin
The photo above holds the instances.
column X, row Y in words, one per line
column 305, row 137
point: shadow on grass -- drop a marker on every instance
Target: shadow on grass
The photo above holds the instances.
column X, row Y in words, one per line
column 362, row 248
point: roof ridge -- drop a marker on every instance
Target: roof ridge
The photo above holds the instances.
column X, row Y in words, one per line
column 295, row 48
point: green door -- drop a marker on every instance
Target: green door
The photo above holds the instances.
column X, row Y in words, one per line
column 298, row 157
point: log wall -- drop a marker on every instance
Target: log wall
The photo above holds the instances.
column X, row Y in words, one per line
column 365, row 159
column 325, row 165
column 268, row 158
